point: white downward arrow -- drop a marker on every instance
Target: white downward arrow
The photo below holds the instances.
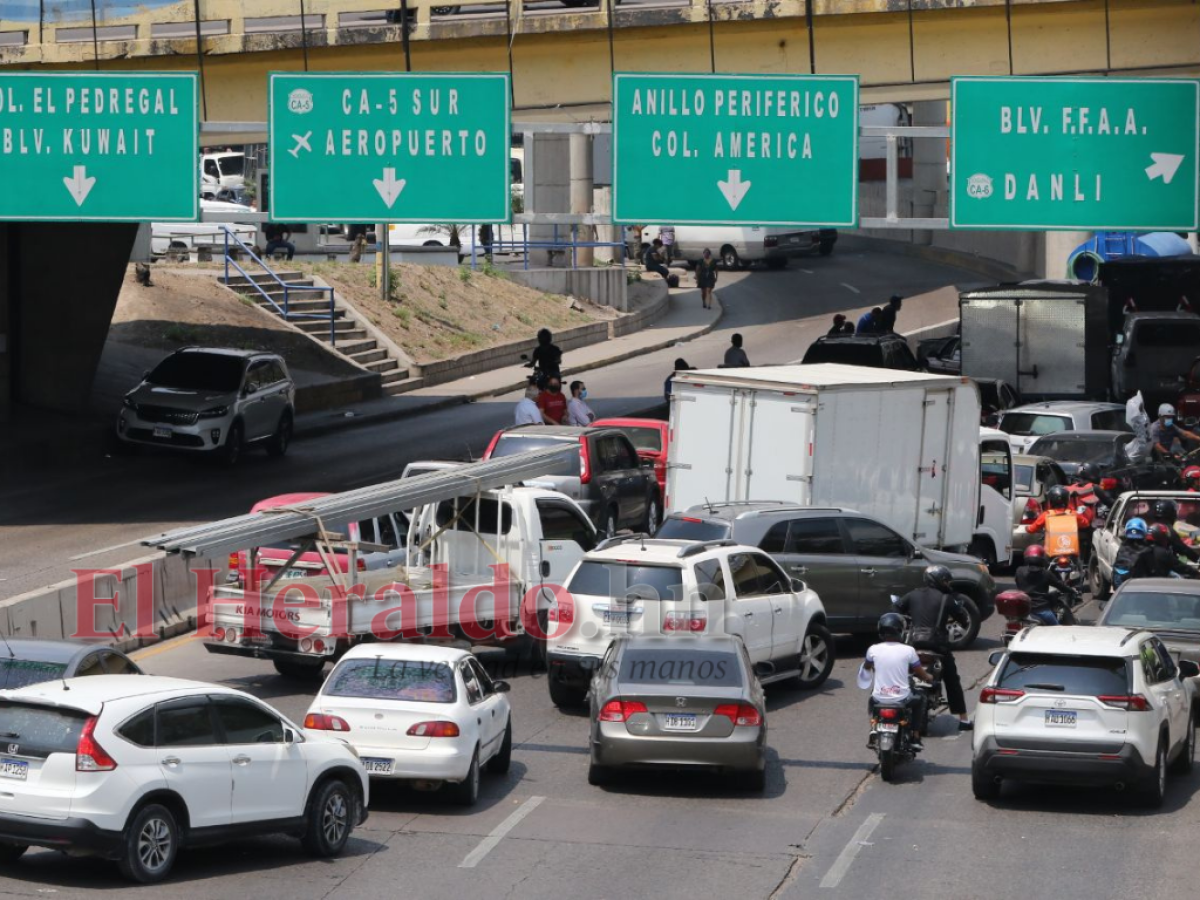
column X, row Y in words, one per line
column 734, row 189
column 1165, row 166
column 389, row 188
column 80, row 185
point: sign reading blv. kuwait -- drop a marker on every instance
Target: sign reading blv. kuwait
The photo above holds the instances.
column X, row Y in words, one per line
column 735, row 149
column 109, row 147
column 389, row 147
column 1075, row 153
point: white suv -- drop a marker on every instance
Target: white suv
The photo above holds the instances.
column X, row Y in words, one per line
column 1085, row 705
column 132, row 769
column 635, row 585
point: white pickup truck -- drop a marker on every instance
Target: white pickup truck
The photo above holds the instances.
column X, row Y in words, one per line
column 1107, row 540
column 453, row 586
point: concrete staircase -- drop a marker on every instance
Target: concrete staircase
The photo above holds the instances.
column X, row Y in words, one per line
column 353, row 340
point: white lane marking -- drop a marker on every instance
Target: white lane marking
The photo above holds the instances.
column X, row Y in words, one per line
column 807, row 271
column 489, row 843
column 842, row 864
column 850, row 287
column 106, row 550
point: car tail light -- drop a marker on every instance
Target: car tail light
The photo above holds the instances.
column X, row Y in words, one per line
column 323, row 722
column 1064, row 561
column 235, row 560
column 1033, row 509
column 999, row 695
column 89, row 755
column 318, row 645
column 677, row 621
column 740, row 714
column 306, row 645
column 889, row 713
column 563, row 612
column 620, row 710
column 231, row 635
column 1108, row 484
column 219, row 634
column 434, row 729
column 1131, row 703
column 585, row 462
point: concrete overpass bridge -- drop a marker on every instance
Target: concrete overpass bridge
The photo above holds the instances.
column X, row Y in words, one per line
column 561, row 56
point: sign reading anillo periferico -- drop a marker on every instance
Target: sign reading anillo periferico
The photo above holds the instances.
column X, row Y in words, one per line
column 99, row 147
column 389, row 147
column 735, row 149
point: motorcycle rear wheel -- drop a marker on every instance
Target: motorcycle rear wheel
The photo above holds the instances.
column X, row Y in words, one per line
column 887, row 765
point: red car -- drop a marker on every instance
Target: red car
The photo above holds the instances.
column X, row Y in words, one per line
column 1188, row 404
column 650, row 438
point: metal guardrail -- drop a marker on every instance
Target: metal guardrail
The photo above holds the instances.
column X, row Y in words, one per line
column 285, row 310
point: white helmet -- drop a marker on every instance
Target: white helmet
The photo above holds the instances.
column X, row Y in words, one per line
column 1166, row 410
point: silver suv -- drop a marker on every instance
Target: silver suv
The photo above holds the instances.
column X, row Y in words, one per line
column 212, row 401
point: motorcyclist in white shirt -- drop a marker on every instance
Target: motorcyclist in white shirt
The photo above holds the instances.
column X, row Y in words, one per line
column 890, row 662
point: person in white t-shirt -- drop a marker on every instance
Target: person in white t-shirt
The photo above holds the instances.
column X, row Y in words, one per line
column 891, row 662
column 527, row 412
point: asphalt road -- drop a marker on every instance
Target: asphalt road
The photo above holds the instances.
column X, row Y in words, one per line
column 93, row 514
column 826, row 825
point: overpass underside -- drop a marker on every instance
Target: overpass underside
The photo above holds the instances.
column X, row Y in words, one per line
column 562, row 59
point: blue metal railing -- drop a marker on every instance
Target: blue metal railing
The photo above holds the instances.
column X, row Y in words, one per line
column 285, row 310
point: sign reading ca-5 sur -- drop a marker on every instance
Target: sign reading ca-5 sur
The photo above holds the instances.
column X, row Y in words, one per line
column 1075, row 153
column 389, row 147
column 109, row 147
column 735, row 149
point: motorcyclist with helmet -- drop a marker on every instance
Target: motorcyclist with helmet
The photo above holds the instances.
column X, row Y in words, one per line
column 1058, row 503
column 1037, row 579
column 1191, row 478
column 1158, row 560
column 931, row 609
column 1129, row 553
column 890, row 663
column 1165, row 434
column 1166, row 513
column 1089, row 474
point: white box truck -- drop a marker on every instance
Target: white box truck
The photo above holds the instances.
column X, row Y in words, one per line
column 900, row 446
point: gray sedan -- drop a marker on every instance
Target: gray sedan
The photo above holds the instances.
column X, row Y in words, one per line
column 679, row 702
column 31, row 661
column 1169, row 607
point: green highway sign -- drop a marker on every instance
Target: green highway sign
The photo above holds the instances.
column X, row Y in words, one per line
column 735, row 149
column 108, row 147
column 1075, row 154
column 389, row 147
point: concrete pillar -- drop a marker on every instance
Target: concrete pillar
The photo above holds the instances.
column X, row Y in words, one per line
column 602, row 204
column 548, row 190
column 930, row 185
column 1056, row 249
column 581, row 191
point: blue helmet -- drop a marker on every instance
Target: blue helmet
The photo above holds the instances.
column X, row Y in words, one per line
column 1136, row 529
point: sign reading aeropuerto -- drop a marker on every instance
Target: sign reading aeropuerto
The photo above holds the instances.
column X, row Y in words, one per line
column 115, row 147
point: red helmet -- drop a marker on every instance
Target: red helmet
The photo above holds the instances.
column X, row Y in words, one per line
column 1191, row 476
column 1159, row 534
column 1035, row 553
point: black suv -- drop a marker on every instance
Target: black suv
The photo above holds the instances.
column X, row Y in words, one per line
column 854, row 563
column 878, row 351
column 613, row 485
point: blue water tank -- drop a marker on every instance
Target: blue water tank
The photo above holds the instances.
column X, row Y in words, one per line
column 1084, row 262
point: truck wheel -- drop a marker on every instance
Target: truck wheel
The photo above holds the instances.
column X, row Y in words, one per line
column 816, row 657
column 982, row 550
column 730, row 259
column 825, row 249
column 961, row 638
column 563, row 695
column 302, row 671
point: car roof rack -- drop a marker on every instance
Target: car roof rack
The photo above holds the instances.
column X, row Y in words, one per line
column 704, row 547
column 618, row 539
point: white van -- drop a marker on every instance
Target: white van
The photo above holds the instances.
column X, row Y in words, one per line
column 738, row 245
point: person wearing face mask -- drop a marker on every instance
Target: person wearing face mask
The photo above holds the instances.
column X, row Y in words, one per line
column 527, row 412
column 578, row 412
column 552, row 403
column 1165, row 434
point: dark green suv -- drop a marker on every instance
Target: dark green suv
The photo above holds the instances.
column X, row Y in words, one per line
column 856, row 564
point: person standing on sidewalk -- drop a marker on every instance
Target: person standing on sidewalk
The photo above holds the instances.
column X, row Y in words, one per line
column 706, row 278
column 578, row 412
column 667, row 235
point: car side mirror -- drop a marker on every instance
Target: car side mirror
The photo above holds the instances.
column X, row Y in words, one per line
column 918, row 553
column 799, row 586
column 1188, row 669
column 289, row 736
column 501, row 687
column 996, row 656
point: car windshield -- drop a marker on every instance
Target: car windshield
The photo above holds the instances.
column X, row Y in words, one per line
column 1155, row 609
column 643, row 438
column 1033, row 423
column 1111, row 420
column 1089, row 676
column 1024, row 479
column 1168, row 333
column 627, row 580
column 1079, row 451
column 392, row 679
column 701, row 668
column 510, row 444
column 688, row 528
column 15, row 673
column 852, row 353
column 199, row 372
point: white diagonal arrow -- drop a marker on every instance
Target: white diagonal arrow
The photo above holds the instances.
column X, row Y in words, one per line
column 734, row 189
column 389, row 188
column 80, row 185
column 1165, row 166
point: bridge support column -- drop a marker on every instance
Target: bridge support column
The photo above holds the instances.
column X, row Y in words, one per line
column 548, row 190
column 581, row 192
column 930, row 184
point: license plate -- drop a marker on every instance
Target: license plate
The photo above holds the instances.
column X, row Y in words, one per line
column 161, row 432
column 294, row 573
column 1061, row 718
column 888, row 729
column 679, row 722
column 378, row 766
column 14, row 768
column 616, row 618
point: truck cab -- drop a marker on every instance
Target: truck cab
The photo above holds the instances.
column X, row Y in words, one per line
column 995, row 499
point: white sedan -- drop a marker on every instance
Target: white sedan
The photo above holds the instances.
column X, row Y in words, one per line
column 425, row 714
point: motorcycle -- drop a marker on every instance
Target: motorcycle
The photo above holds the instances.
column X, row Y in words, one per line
column 894, row 725
column 1018, row 613
column 1070, row 570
